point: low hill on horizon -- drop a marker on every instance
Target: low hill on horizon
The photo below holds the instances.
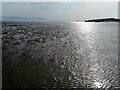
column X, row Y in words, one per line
column 18, row 18
column 104, row 20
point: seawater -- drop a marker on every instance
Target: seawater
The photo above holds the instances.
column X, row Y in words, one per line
column 60, row 55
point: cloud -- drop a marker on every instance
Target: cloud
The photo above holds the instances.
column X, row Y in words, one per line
column 60, row 0
column 61, row 11
column 17, row 9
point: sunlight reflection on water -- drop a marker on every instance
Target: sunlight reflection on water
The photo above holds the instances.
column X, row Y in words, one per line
column 97, row 84
column 60, row 55
column 95, row 61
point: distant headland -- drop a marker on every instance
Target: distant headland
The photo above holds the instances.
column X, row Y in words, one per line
column 104, row 20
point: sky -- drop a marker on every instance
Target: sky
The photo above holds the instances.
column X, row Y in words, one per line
column 59, row 0
column 61, row 11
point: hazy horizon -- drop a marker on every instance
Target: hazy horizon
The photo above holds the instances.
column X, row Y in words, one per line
column 60, row 11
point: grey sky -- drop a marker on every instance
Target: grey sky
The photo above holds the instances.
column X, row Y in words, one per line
column 61, row 11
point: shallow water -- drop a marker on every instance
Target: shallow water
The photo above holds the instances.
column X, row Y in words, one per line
column 60, row 55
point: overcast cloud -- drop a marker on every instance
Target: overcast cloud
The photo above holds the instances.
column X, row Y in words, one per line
column 61, row 11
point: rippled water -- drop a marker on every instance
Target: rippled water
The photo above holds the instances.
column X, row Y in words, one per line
column 60, row 55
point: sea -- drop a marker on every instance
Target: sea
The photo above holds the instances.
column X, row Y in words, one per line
column 60, row 55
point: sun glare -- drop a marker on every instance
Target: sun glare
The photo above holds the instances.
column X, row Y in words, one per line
column 97, row 84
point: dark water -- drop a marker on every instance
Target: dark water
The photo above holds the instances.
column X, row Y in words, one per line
column 60, row 55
